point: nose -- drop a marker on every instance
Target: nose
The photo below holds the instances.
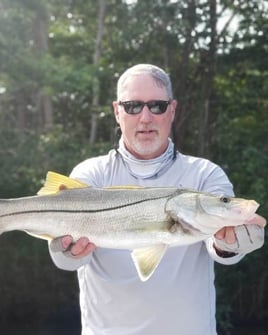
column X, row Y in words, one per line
column 145, row 115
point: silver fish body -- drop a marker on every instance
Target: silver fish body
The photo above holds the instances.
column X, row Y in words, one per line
column 145, row 220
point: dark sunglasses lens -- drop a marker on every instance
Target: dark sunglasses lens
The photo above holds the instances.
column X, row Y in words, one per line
column 133, row 107
column 158, row 107
column 155, row 106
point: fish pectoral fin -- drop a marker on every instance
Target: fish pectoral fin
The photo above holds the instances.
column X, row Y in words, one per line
column 191, row 229
column 147, row 259
column 56, row 182
column 187, row 227
column 41, row 236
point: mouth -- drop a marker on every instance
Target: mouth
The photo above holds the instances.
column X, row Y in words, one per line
column 146, row 132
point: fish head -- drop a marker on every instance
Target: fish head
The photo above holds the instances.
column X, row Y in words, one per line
column 230, row 208
column 208, row 213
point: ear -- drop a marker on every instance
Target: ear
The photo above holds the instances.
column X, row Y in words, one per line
column 174, row 104
column 116, row 112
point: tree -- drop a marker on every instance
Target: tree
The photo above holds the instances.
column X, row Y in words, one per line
column 69, row 54
column 96, row 63
column 24, row 36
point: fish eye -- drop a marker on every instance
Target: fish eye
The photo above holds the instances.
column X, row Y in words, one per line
column 225, row 199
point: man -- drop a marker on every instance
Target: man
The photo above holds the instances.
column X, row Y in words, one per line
column 180, row 297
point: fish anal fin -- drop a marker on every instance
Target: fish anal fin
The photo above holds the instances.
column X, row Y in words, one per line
column 56, row 182
column 41, row 236
column 147, row 259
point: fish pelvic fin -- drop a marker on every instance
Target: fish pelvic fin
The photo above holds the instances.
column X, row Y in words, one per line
column 56, row 182
column 147, row 259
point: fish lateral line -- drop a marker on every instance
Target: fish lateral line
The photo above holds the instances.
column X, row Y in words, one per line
column 79, row 211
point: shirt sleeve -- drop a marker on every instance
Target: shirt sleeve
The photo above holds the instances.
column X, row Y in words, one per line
column 217, row 182
column 64, row 262
column 222, row 260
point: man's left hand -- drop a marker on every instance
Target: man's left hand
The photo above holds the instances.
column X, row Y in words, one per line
column 242, row 239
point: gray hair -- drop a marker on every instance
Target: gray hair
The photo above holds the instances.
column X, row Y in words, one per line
column 158, row 74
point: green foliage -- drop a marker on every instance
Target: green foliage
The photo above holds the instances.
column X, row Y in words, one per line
column 176, row 35
column 25, row 161
column 32, row 287
column 241, row 148
column 242, row 127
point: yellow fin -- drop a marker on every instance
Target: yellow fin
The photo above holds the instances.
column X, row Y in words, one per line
column 146, row 260
column 123, row 187
column 42, row 236
column 56, row 182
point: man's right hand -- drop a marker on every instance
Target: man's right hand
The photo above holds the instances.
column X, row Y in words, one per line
column 65, row 244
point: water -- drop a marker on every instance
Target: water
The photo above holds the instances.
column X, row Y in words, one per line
column 49, row 328
column 59, row 328
column 251, row 331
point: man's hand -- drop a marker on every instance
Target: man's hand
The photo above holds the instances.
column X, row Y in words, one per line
column 78, row 249
column 241, row 239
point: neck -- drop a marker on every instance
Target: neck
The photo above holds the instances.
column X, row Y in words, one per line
column 146, row 168
column 145, row 156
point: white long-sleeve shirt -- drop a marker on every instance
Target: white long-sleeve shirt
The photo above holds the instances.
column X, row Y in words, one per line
column 179, row 299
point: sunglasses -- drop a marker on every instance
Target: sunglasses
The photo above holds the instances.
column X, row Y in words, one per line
column 135, row 107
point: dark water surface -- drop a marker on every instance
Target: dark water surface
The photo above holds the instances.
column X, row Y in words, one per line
column 251, row 331
column 49, row 329
column 58, row 328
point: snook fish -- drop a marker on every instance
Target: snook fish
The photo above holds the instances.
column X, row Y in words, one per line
column 144, row 220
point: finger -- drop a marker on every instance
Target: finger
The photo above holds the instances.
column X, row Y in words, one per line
column 88, row 249
column 66, row 241
column 61, row 243
column 230, row 235
column 81, row 248
column 220, row 235
column 85, row 252
column 229, row 242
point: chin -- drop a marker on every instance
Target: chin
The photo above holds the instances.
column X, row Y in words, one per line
column 150, row 150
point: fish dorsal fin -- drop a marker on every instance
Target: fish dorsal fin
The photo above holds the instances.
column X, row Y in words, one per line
column 56, row 182
column 147, row 259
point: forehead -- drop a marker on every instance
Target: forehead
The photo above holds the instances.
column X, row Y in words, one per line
column 142, row 87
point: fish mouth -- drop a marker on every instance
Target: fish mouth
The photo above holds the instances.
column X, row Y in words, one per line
column 247, row 210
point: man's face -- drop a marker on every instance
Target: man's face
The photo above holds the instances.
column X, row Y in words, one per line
column 145, row 134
